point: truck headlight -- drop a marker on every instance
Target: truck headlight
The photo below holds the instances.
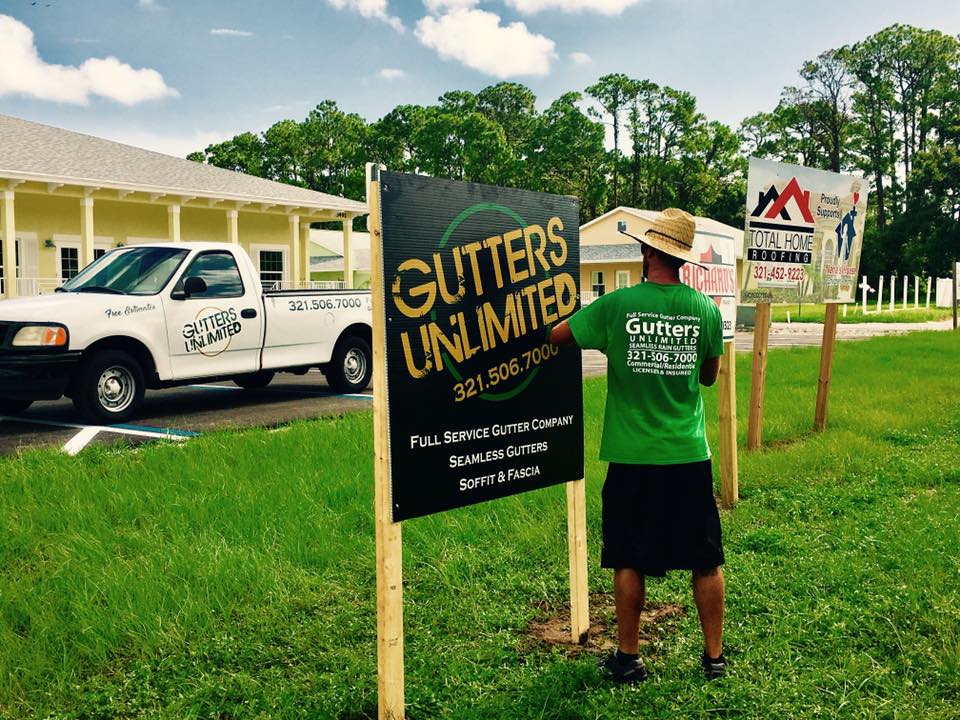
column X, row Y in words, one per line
column 41, row 336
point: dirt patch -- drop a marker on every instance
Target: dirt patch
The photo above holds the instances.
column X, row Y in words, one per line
column 553, row 628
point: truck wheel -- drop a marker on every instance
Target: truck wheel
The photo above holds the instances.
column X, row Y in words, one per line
column 109, row 388
column 12, row 406
column 351, row 366
column 254, row 381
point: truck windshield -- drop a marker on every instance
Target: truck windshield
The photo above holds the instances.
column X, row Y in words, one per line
column 133, row 271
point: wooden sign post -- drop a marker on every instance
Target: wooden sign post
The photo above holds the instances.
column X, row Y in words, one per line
column 455, row 420
column 826, row 366
column 389, row 540
column 729, row 483
column 758, row 379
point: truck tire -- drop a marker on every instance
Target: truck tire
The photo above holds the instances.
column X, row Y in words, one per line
column 109, row 387
column 12, row 406
column 254, row 381
column 351, row 366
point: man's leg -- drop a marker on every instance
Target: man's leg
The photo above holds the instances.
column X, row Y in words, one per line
column 708, row 594
column 629, row 594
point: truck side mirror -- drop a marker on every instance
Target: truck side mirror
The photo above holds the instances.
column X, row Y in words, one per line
column 191, row 286
column 194, row 286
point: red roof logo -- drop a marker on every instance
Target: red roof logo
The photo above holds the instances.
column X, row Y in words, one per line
column 772, row 203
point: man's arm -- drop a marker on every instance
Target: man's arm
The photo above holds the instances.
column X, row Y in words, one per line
column 709, row 371
column 561, row 334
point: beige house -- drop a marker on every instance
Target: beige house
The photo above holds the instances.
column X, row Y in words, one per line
column 327, row 257
column 66, row 198
column 610, row 260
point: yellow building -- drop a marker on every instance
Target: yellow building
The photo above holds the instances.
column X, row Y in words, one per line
column 66, row 198
column 610, row 260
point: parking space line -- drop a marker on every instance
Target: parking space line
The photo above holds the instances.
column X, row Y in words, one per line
column 156, row 433
column 79, row 441
column 316, row 393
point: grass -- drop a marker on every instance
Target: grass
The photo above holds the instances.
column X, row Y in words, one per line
column 233, row 576
column 813, row 313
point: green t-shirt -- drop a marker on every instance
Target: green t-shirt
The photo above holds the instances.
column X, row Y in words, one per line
column 655, row 338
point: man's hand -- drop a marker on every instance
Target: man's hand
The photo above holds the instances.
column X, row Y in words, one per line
column 561, row 334
column 709, row 371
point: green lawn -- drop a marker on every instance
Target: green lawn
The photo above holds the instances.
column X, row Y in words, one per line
column 233, row 576
column 814, row 313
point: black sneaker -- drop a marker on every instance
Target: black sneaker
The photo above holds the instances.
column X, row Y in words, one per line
column 713, row 668
column 624, row 671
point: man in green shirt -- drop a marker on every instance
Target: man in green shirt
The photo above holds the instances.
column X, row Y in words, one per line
column 662, row 339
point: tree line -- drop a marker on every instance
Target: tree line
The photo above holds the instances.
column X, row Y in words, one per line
column 887, row 107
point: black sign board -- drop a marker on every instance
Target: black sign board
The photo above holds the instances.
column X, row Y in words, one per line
column 480, row 405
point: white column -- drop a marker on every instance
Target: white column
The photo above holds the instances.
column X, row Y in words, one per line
column 296, row 254
column 347, row 252
column 8, row 226
column 305, row 248
column 233, row 227
column 173, row 223
column 86, row 231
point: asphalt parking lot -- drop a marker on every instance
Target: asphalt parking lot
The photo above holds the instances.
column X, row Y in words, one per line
column 182, row 413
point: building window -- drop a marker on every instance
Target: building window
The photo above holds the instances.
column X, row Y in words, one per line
column 2, row 280
column 99, row 253
column 69, row 263
column 596, row 280
column 623, row 279
column 271, row 269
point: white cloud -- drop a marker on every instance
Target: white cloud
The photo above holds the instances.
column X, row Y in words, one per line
column 370, row 9
column 438, row 6
column 580, row 58
column 148, row 5
column 176, row 144
column 24, row 72
column 390, row 73
column 230, row 32
column 604, row 7
column 478, row 40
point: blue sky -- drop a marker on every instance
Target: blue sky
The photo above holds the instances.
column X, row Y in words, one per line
column 174, row 75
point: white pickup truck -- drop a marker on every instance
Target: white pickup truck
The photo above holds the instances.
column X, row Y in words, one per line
column 157, row 316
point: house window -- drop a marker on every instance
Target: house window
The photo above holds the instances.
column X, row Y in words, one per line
column 596, row 280
column 99, row 253
column 69, row 263
column 2, row 286
column 623, row 279
column 271, row 269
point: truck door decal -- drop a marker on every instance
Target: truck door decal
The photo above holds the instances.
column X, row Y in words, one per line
column 212, row 331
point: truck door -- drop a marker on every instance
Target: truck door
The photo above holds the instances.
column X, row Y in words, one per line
column 218, row 330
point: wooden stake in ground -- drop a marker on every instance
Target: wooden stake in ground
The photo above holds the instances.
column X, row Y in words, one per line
column 826, row 366
column 389, row 539
column 729, row 482
column 577, row 546
column 758, row 380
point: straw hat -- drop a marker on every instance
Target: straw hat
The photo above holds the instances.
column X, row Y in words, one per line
column 671, row 232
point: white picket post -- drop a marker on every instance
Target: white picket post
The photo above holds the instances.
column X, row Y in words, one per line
column 916, row 292
column 880, row 296
column 865, row 288
column 929, row 286
column 893, row 292
column 906, row 282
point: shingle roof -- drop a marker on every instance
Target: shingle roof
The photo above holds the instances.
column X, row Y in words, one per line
column 611, row 253
column 32, row 151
